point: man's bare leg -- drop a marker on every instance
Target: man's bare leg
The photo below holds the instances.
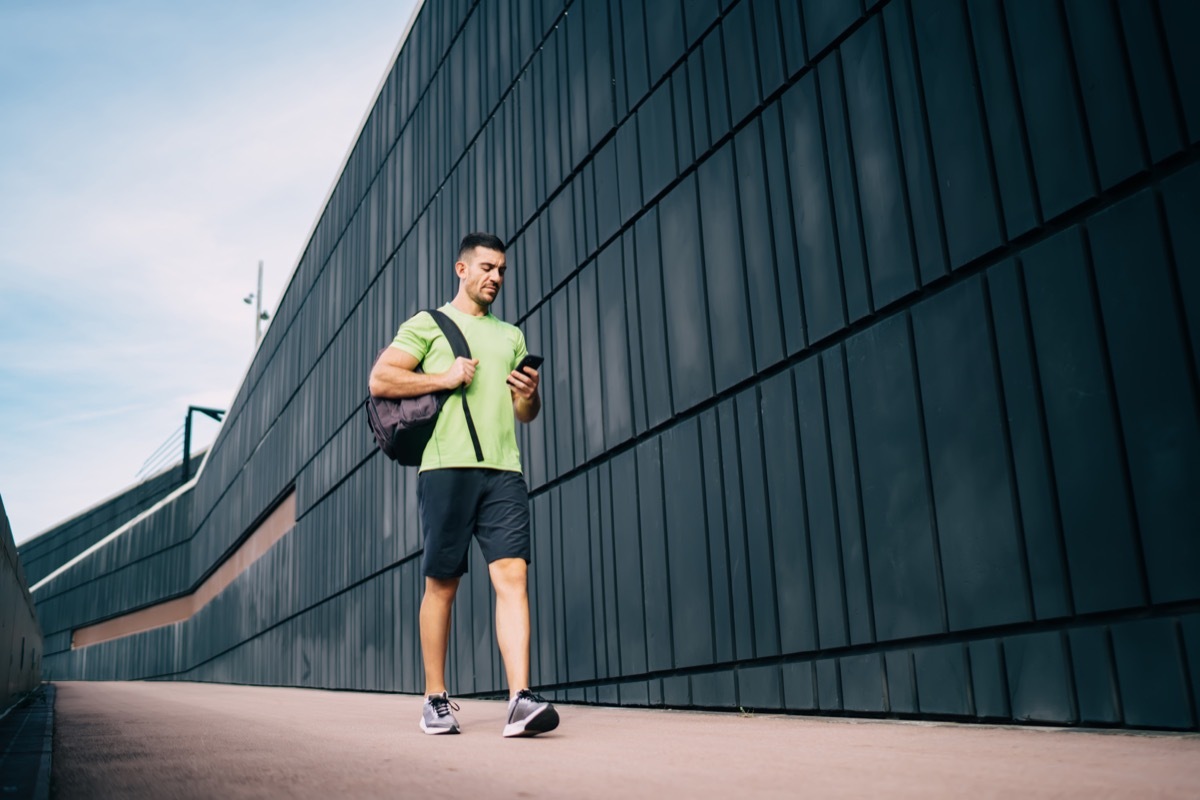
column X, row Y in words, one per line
column 435, row 630
column 509, row 578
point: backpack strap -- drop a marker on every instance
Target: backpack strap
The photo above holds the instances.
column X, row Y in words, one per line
column 458, row 343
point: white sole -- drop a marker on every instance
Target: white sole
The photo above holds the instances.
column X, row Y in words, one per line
column 544, row 720
column 436, row 731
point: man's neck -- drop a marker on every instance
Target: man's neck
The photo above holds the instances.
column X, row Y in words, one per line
column 468, row 306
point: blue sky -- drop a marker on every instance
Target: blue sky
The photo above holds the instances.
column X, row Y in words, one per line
column 151, row 153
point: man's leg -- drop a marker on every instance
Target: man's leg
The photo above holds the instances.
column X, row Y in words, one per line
column 509, row 576
column 435, row 630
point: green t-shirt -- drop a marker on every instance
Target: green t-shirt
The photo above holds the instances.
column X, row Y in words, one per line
column 499, row 348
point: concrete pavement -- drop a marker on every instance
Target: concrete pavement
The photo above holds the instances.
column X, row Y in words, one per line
column 210, row 740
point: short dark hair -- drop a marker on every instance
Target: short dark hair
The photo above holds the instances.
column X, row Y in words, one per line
column 477, row 239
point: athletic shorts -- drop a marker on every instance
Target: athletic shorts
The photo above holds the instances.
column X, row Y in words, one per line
column 490, row 504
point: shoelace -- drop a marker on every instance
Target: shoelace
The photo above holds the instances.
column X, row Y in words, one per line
column 527, row 694
column 442, row 706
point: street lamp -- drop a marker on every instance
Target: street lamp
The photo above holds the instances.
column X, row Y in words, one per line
column 215, row 413
column 259, row 314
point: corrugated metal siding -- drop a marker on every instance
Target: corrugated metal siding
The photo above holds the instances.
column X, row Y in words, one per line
column 22, row 650
column 43, row 554
column 871, row 336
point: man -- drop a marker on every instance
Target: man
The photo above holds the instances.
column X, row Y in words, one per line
column 460, row 496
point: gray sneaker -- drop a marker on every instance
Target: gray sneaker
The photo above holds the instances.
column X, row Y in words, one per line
column 437, row 716
column 529, row 715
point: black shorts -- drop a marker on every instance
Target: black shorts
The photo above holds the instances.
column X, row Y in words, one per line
column 491, row 504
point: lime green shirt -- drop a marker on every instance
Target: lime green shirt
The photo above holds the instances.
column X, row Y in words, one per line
column 499, row 348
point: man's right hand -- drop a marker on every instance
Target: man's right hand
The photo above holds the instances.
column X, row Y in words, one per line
column 461, row 372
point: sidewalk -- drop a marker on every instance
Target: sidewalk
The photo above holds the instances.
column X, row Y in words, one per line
column 213, row 740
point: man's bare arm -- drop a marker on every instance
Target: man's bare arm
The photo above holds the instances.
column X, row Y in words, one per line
column 393, row 375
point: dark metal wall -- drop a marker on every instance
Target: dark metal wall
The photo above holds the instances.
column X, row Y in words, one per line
column 21, row 648
column 871, row 336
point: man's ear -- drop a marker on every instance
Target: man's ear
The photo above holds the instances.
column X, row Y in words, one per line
column 460, row 268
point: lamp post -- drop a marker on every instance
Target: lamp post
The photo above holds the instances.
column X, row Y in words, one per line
column 259, row 314
column 215, row 413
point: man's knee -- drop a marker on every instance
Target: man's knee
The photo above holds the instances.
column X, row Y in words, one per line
column 441, row 589
column 509, row 575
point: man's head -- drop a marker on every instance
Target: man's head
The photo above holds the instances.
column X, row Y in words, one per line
column 481, row 267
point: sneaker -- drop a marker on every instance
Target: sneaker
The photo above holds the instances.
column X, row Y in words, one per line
column 437, row 716
column 529, row 715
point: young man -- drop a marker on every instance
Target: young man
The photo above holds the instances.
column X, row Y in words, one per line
column 460, row 496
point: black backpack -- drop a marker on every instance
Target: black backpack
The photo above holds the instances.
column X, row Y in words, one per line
column 402, row 426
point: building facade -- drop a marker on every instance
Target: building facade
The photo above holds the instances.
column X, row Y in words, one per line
column 871, row 386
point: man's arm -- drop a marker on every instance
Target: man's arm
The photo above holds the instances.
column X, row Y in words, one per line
column 393, row 375
column 527, row 403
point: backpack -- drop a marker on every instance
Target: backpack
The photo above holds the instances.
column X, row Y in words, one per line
column 403, row 425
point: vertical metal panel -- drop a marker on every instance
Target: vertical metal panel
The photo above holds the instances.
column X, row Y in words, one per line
column 863, row 683
column 1039, row 678
column 989, row 690
column 1095, row 680
column 786, row 498
column 762, row 285
column 1155, row 394
column 783, row 257
column 578, row 570
column 844, row 187
column 646, row 270
column 1151, row 78
column 886, row 233
column 943, row 680
column 825, row 20
column 824, row 309
column 981, row 552
column 1041, row 527
column 656, row 141
column 755, row 517
column 741, row 598
column 741, row 73
column 901, row 681
column 687, row 311
column 895, row 493
column 716, row 87
column 690, row 589
column 821, row 508
column 1107, row 92
column 631, row 608
column 725, row 275
column 655, row 575
column 799, row 686
column 1062, row 157
column 760, row 688
column 1097, row 519
column 1150, row 672
column 860, row 610
column 1179, row 17
column 956, row 128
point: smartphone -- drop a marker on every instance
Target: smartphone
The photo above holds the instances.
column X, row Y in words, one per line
column 530, row 361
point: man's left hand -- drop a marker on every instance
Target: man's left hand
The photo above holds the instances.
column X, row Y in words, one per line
column 524, row 384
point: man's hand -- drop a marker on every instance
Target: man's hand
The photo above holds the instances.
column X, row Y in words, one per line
column 461, row 372
column 524, row 387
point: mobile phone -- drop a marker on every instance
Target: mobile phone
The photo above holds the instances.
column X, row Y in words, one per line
column 530, row 361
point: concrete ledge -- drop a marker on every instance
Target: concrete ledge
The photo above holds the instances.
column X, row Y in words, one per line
column 26, row 745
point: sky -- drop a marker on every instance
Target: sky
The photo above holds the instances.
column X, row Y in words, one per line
column 151, row 154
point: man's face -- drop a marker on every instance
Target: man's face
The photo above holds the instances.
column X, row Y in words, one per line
column 482, row 273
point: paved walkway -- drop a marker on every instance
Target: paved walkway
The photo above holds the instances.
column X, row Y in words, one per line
column 210, row 740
